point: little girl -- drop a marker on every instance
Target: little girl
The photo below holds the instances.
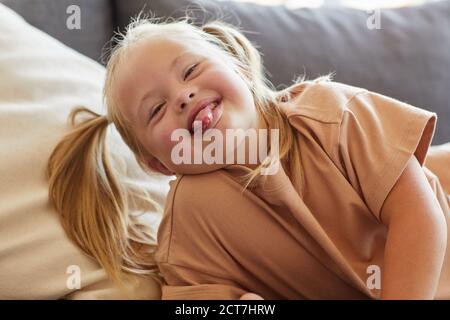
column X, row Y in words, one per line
column 350, row 213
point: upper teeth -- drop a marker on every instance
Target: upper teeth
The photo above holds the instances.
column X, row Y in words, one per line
column 212, row 104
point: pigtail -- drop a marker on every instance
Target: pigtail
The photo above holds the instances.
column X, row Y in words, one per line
column 85, row 190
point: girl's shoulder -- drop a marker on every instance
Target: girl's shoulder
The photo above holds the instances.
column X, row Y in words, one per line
column 320, row 100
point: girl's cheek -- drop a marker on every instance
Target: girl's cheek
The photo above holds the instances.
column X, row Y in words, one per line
column 166, row 138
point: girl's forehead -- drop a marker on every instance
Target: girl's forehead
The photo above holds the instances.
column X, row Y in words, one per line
column 162, row 48
column 155, row 56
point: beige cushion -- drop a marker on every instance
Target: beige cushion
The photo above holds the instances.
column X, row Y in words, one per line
column 41, row 80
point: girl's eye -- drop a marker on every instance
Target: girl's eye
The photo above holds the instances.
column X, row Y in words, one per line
column 189, row 71
column 156, row 110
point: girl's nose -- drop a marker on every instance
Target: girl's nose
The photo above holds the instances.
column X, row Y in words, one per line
column 186, row 98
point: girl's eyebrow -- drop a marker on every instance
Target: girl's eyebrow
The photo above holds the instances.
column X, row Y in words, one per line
column 149, row 93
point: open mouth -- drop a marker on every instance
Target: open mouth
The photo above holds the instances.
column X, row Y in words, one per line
column 206, row 117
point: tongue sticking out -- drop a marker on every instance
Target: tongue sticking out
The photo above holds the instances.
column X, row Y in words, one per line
column 204, row 117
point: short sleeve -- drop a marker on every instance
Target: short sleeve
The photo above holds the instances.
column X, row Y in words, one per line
column 377, row 136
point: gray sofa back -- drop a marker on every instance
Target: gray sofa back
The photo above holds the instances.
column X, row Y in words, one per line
column 97, row 22
column 407, row 58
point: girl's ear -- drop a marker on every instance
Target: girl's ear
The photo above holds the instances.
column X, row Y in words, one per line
column 157, row 166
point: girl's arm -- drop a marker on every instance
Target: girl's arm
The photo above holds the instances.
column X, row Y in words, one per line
column 416, row 240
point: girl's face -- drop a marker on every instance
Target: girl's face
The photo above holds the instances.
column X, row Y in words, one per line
column 160, row 86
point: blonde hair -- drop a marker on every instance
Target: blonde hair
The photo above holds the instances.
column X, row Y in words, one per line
column 86, row 188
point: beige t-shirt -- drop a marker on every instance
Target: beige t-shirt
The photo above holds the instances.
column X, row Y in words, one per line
column 323, row 241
